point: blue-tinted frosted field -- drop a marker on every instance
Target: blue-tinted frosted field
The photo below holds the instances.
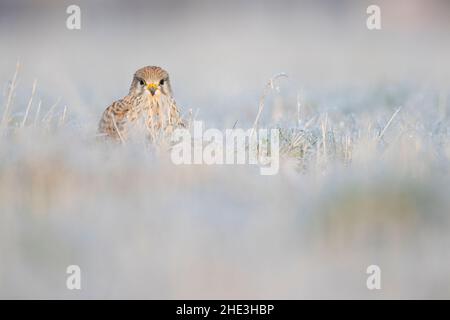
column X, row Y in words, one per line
column 364, row 168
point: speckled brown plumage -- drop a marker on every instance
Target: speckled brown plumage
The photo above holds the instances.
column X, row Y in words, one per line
column 150, row 96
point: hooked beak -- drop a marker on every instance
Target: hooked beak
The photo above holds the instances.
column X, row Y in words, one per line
column 152, row 87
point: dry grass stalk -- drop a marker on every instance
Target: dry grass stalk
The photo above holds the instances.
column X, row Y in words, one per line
column 30, row 102
column 269, row 86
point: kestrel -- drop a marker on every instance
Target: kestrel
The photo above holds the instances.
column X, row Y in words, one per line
column 150, row 95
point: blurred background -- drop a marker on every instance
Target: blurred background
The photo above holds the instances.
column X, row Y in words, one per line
column 221, row 52
column 359, row 184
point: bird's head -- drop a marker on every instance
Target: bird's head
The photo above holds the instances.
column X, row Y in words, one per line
column 151, row 81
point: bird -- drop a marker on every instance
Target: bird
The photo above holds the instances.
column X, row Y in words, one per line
column 150, row 97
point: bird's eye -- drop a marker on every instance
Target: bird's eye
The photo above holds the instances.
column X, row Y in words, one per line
column 161, row 83
column 141, row 82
